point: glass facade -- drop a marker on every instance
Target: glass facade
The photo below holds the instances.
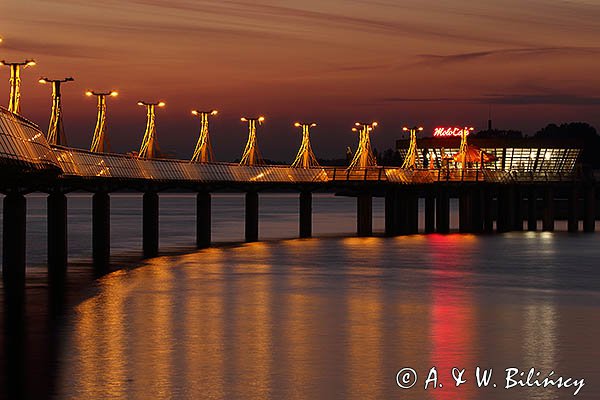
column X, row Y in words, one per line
column 528, row 162
column 23, row 145
column 93, row 165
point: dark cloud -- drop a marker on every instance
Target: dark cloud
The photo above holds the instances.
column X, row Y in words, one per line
column 564, row 99
column 524, row 52
column 424, row 100
column 40, row 47
column 162, row 27
column 298, row 20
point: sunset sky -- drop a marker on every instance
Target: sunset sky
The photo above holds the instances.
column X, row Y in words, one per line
column 330, row 61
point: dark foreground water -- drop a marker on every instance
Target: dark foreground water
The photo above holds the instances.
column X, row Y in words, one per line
column 330, row 318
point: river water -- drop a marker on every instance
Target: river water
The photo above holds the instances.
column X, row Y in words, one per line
column 328, row 318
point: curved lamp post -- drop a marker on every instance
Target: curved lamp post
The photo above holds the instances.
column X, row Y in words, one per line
column 100, row 141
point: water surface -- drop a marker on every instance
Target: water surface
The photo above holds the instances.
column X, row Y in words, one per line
column 326, row 318
column 337, row 318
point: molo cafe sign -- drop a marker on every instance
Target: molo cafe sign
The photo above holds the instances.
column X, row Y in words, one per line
column 451, row 131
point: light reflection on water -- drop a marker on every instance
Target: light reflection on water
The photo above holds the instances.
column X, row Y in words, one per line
column 337, row 318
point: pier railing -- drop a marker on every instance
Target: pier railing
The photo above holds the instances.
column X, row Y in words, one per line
column 84, row 164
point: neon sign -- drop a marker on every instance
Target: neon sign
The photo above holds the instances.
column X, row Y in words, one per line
column 450, row 132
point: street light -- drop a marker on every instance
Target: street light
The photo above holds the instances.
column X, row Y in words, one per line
column 464, row 146
column 149, row 147
column 100, row 141
column 147, row 104
column 213, row 112
column 410, row 161
column 251, row 155
column 364, row 157
column 414, row 128
column 306, row 157
column 112, row 93
column 203, row 151
column 15, row 83
column 56, row 131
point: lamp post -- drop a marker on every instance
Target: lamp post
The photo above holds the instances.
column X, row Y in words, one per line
column 464, row 146
column 149, row 147
column 100, row 141
column 203, row 151
column 305, row 157
column 56, row 130
column 364, row 157
column 410, row 161
column 14, row 104
column 251, row 155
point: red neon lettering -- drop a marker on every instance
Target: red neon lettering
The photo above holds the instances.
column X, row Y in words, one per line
column 449, row 132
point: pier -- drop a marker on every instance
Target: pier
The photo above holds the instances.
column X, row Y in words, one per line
column 489, row 200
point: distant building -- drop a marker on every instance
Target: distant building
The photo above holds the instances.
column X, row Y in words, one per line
column 539, row 155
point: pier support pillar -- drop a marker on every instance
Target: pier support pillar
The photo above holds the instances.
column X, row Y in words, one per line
column 548, row 217
column 477, row 210
column 401, row 212
column 429, row 211
column 442, row 211
column 589, row 212
column 390, row 212
column 305, row 218
column 573, row 212
column 203, row 220
column 251, row 216
column 532, row 208
column 413, row 211
column 150, row 224
column 506, row 217
column 488, row 209
column 465, row 210
column 364, row 215
column 101, row 229
column 14, row 241
column 517, row 205
column 57, row 235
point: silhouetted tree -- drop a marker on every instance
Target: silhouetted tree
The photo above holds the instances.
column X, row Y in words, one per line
column 498, row 133
column 579, row 130
column 389, row 157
